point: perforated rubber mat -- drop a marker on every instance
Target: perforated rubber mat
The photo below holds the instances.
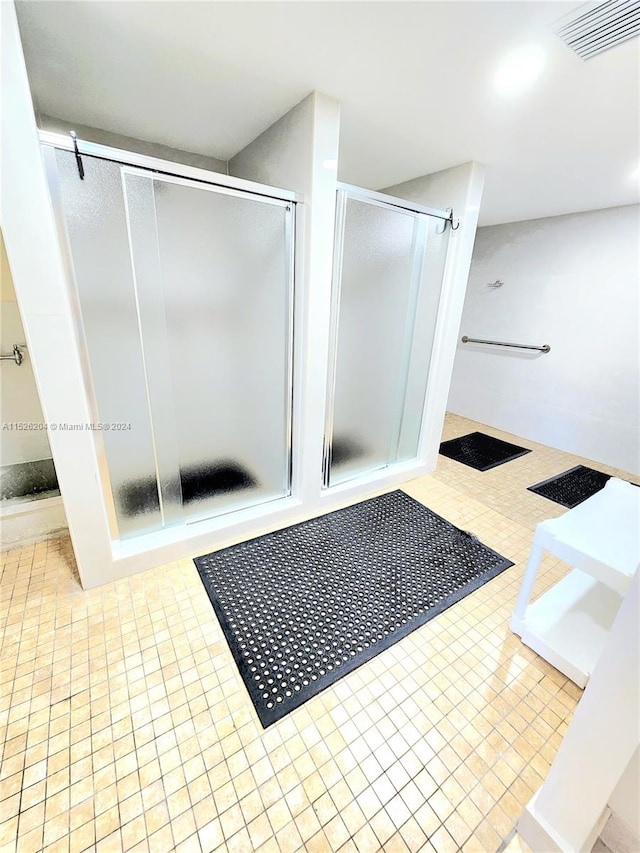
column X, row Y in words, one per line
column 481, row 451
column 572, row 487
column 301, row 607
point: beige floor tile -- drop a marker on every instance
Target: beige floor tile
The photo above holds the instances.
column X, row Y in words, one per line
column 124, row 724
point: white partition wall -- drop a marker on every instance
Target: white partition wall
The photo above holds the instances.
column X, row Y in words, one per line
column 301, row 151
column 571, row 808
column 198, row 306
column 42, row 295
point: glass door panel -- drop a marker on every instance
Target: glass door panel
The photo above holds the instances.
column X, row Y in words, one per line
column 184, row 295
column 422, row 335
column 388, row 267
column 374, row 286
column 95, row 229
column 213, row 278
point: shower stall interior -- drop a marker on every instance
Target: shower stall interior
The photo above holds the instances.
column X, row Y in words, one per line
column 388, row 268
column 183, row 291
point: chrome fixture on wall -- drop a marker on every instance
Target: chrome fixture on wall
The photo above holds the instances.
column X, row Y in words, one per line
column 16, row 355
column 467, row 340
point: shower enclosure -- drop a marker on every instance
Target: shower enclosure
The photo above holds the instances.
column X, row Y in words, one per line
column 184, row 302
column 182, row 286
column 389, row 261
column 160, row 316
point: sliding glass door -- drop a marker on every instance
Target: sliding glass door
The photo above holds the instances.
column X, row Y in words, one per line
column 212, row 276
column 185, row 292
column 388, row 268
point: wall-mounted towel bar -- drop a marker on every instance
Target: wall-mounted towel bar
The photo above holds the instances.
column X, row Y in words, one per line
column 16, row 355
column 467, row 340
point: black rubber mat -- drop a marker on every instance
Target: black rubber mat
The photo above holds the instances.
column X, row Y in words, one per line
column 303, row 606
column 481, row 451
column 572, row 487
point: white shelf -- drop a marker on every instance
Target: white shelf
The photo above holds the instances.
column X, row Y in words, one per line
column 570, row 623
column 600, row 538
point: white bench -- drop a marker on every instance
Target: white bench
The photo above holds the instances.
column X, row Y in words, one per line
column 600, row 538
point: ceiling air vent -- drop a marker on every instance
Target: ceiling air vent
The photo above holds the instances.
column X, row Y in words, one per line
column 598, row 27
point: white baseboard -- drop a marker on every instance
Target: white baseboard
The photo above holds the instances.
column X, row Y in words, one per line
column 26, row 522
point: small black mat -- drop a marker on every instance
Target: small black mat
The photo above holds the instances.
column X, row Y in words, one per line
column 572, row 487
column 481, row 451
column 303, row 606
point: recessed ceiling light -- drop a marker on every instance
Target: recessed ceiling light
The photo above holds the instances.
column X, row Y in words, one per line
column 519, row 70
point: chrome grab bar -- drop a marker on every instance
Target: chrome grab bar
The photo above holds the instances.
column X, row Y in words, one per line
column 16, row 356
column 467, row 340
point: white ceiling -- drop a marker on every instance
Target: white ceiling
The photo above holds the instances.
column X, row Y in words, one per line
column 414, row 80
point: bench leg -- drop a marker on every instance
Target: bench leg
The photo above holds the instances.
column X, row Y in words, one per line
column 530, row 574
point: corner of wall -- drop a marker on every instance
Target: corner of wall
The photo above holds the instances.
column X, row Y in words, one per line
column 280, row 156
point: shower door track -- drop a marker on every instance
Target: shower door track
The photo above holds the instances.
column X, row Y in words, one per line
column 374, row 197
column 64, row 142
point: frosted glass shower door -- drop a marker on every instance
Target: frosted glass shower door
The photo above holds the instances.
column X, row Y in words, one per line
column 388, row 266
column 213, row 279
column 91, row 216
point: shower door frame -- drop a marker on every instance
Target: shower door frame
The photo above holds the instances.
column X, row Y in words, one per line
column 290, row 242
column 217, row 182
column 343, row 193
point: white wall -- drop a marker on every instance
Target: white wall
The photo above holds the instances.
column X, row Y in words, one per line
column 625, row 800
column 34, row 255
column 128, row 143
column 300, row 152
column 18, row 395
column 570, row 282
column 281, row 155
column 570, row 809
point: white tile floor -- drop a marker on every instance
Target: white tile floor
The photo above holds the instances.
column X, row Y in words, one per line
column 125, row 726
